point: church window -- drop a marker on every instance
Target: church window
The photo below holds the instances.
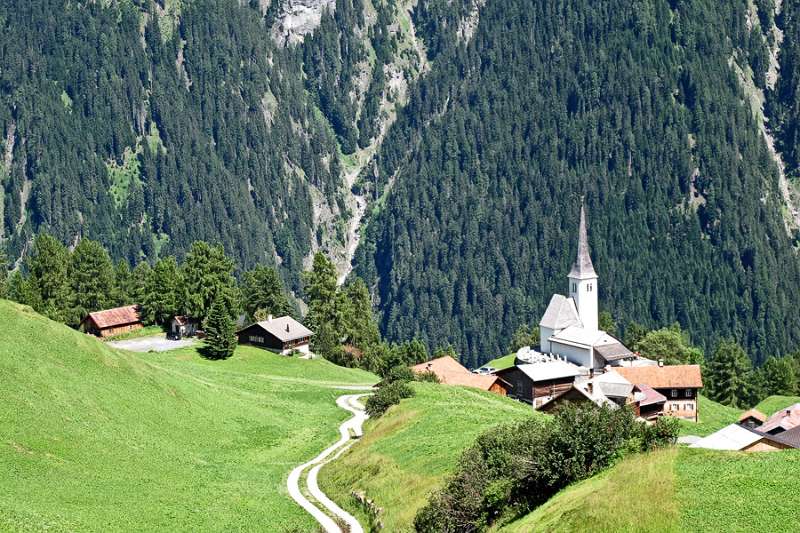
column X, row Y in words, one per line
column 574, row 287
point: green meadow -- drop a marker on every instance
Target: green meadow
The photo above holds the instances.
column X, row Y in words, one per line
column 94, row 439
column 678, row 490
column 409, row 451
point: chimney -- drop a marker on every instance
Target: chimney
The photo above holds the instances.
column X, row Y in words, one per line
column 287, row 328
column 269, row 318
column 590, row 387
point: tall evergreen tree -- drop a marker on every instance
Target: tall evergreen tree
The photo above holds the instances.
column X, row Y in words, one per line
column 220, row 330
column 164, row 291
column 208, row 275
column 729, row 375
column 326, row 307
column 262, row 289
column 123, row 284
column 362, row 329
column 91, row 276
column 48, row 277
column 3, row 272
column 138, row 292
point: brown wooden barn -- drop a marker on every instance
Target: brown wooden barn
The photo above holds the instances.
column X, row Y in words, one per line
column 111, row 322
column 537, row 383
column 283, row 335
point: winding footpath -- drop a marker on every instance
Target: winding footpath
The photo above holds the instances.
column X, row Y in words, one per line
column 347, row 430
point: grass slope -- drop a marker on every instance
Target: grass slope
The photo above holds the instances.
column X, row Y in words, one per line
column 771, row 405
column 678, row 490
column 93, row 439
column 408, row 452
column 507, row 361
column 612, row 501
column 715, row 416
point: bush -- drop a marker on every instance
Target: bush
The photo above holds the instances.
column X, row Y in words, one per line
column 399, row 373
column 387, row 396
column 427, row 377
column 512, row 469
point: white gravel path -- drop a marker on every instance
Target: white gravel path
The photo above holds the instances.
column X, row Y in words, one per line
column 347, row 429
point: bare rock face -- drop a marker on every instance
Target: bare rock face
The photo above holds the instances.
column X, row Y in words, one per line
column 298, row 18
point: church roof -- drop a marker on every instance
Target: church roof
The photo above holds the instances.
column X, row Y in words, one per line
column 560, row 314
column 583, row 268
column 576, row 335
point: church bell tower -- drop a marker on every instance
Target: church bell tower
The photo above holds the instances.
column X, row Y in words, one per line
column 583, row 280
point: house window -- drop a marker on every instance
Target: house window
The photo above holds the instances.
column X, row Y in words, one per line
column 674, row 393
column 256, row 339
column 688, row 393
column 675, row 407
column 688, row 407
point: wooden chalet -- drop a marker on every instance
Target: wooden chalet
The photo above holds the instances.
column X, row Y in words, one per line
column 752, row 419
column 451, row 372
column 184, row 326
column 283, row 335
column 111, row 322
column 679, row 384
column 539, row 382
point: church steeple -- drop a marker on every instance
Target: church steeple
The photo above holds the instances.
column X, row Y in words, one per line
column 583, row 268
column 583, row 280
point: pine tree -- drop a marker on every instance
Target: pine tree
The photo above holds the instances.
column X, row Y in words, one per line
column 262, row 290
column 123, row 284
column 91, row 276
column 729, row 375
column 362, row 330
column 48, row 283
column 207, row 274
column 220, row 330
column 138, row 293
column 326, row 306
column 163, row 295
column 3, row 273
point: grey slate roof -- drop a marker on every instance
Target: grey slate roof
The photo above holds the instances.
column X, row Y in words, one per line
column 561, row 313
column 285, row 328
column 613, row 352
column 583, row 268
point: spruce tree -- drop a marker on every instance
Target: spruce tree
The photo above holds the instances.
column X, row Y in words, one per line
column 220, row 330
column 91, row 276
column 163, row 294
column 48, row 283
column 729, row 375
column 123, row 284
column 362, row 330
column 779, row 377
column 3, row 273
column 138, row 293
column 262, row 290
column 326, row 306
column 207, row 274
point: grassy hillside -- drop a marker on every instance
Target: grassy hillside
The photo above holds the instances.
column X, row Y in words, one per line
column 94, row 439
column 677, row 490
column 507, row 361
column 409, row 451
column 770, row 405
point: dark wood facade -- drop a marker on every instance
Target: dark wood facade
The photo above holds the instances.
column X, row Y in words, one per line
column 522, row 386
column 255, row 335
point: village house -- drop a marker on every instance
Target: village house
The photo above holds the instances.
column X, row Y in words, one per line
column 537, row 378
column 570, row 325
column 283, row 335
column 781, row 421
column 111, row 322
column 603, row 390
column 450, row 372
column 752, row 419
column 736, row 437
column 679, row 384
column 184, row 326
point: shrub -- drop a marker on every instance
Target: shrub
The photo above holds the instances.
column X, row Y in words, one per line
column 399, row 373
column 387, row 396
column 427, row 376
column 512, row 469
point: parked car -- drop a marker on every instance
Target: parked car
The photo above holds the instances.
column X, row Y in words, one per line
column 486, row 370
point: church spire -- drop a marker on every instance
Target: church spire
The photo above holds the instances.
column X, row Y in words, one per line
column 583, row 268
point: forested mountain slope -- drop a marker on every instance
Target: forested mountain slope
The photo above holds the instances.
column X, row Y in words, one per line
column 638, row 106
column 148, row 124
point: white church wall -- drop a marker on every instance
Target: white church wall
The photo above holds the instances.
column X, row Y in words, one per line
column 584, row 292
column 574, row 354
column 544, row 339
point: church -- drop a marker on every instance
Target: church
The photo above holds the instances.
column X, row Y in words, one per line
column 569, row 327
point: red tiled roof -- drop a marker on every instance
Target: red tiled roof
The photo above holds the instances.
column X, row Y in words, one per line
column 119, row 316
column 663, row 377
column 451, row 372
